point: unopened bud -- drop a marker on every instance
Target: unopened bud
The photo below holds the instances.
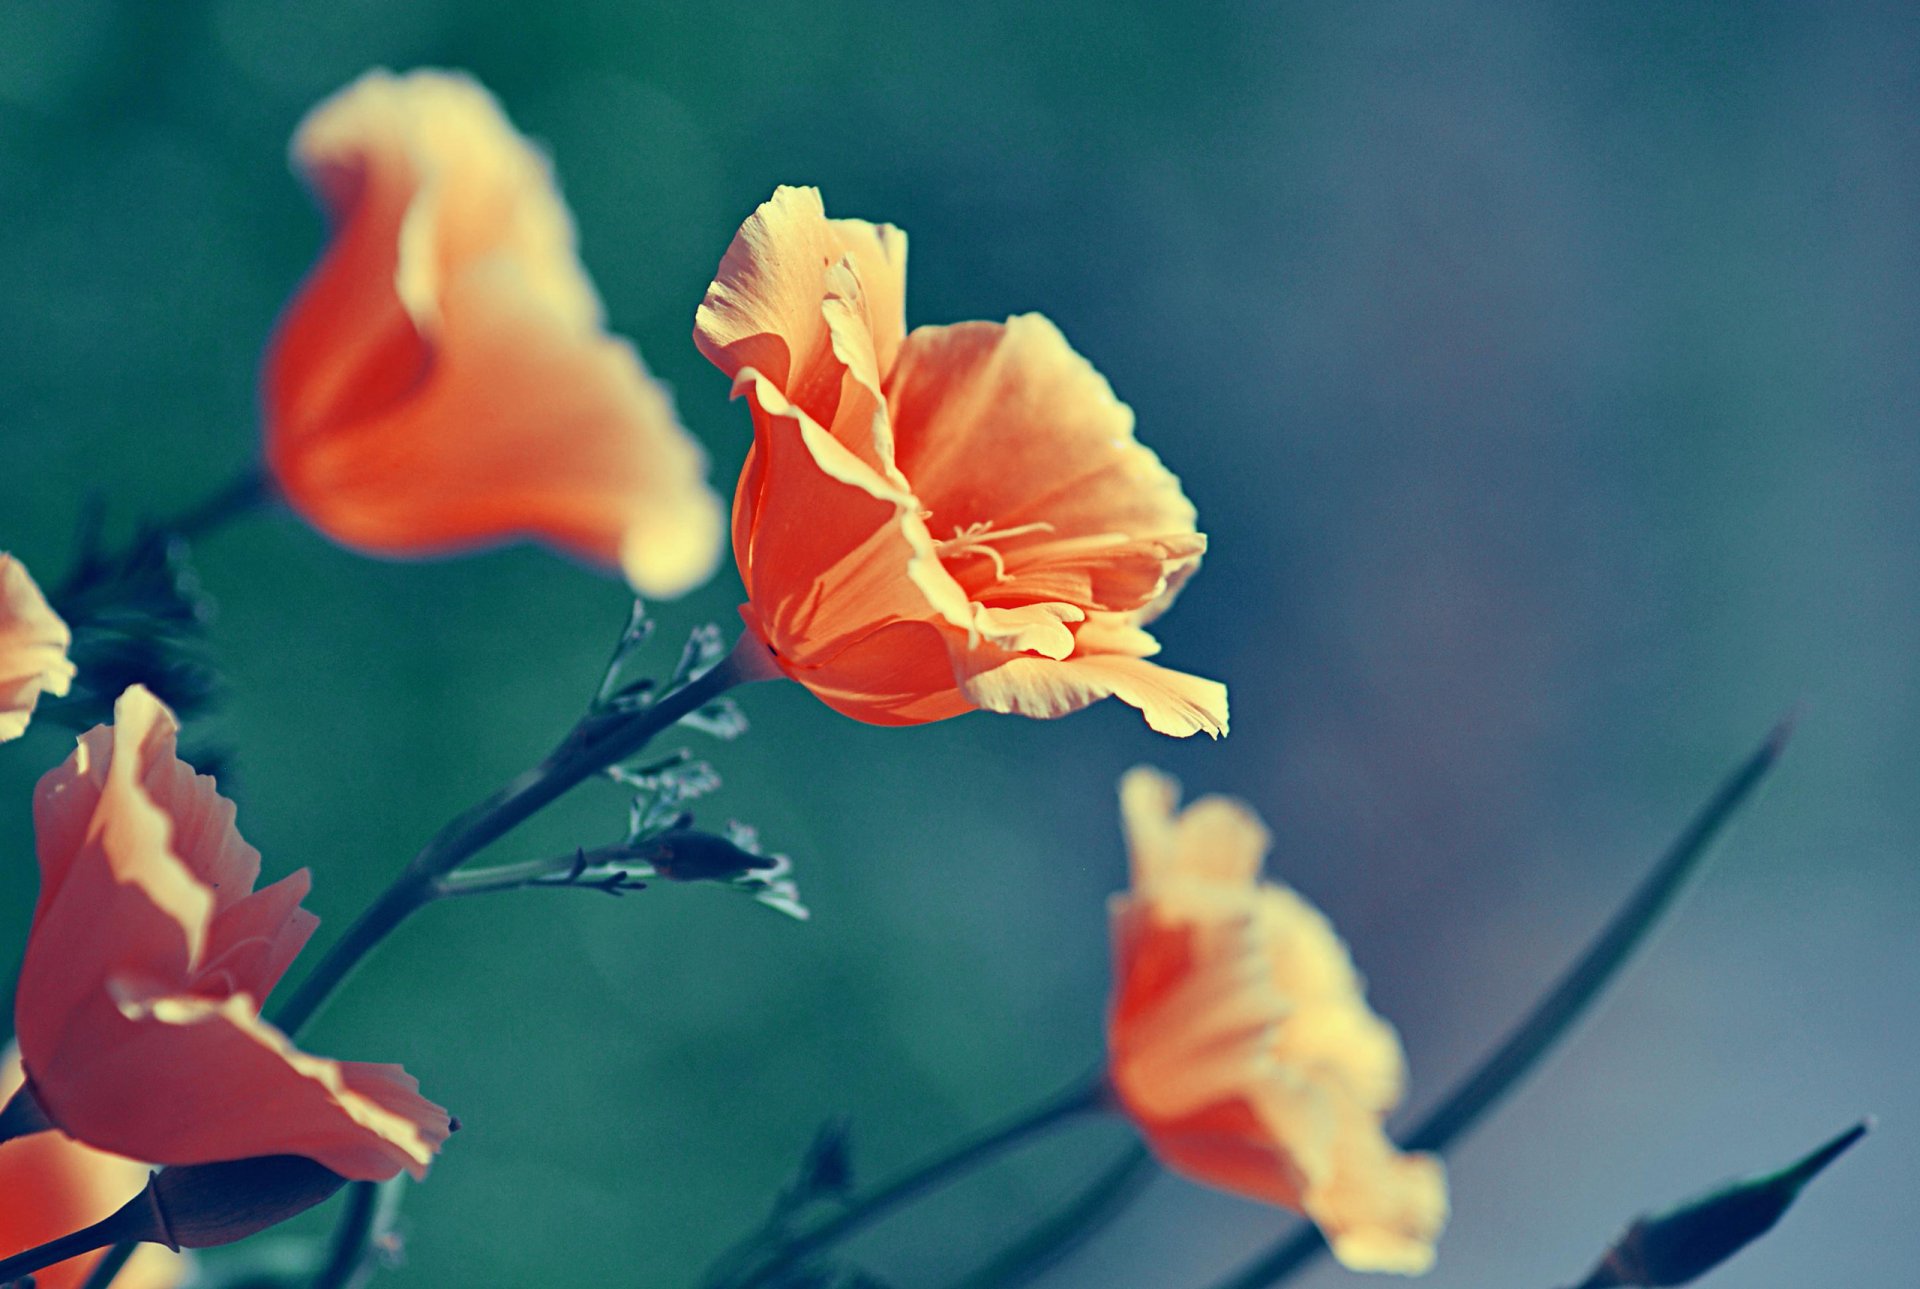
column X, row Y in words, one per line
column 687, row 856
column 194, row 1206
column 1684, row 1243
column 199, row 1206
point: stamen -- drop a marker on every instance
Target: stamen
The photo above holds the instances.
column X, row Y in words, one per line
column 977, row 538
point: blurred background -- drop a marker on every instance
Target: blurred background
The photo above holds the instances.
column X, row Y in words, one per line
column 1544, row 375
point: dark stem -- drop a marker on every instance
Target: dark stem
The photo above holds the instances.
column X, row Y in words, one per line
column 244, row 493
column 1050, row 1242
column 351, row 1237
column 867, row 1209
column 575, row 760
column 587, row 749
column 96, row 1236
column 110, row 1266
column 1554, row 1016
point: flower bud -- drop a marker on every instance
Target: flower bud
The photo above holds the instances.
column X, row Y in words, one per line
column 1684, row 1243
column 202, row 1205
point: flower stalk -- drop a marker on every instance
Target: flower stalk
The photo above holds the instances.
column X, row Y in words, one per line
column 865, row 1210
column 587, row 750
column 1555, row 1015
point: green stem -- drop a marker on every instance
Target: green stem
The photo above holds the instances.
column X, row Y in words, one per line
column 586, row 751
column 102, row 1233
column 1554, row 1016
column 867, row 1209
column 350, row 1237
column 1050, row 1242
column 536, row 872
column 576, row 759
column 242, row 495
column 110, row 1266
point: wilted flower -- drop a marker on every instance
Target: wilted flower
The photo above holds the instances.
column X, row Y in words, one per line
column 51, row 1185
column 149, row 955
column 1240, row 1040
column 443, row 379
column 33, row 649
column 950, row 519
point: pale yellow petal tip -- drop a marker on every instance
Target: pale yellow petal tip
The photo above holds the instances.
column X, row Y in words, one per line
column 674, row 550
column 1393, row 1226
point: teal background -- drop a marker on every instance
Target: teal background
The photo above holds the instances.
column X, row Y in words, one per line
column 1545, row 376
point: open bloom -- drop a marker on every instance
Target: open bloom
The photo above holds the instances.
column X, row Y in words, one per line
column 51, row 1185
column 139, row 1000
column 33, row 649
column 1240, row 1039
column 950, row 519
column 443, row 379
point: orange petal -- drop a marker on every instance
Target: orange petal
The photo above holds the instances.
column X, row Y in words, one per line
column 1192, row 1017
column 442, row 380
column 826, row 561
column 1173, row 702
column 1332, row 1030
column 1005, row 423
column 1381, row 1210
column 766, row 309
column 33, row 649
column 136, row 1010
column 54, row 1185
column 181, row 1079
column 1215, row 842
column 1231, row 1146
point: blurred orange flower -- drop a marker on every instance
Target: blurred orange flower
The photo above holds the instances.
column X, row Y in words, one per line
column 51, row 1185
column 138, row 1007
column 443, row 379
column 1240, row 1039
column 950, row 519
column 33, row 649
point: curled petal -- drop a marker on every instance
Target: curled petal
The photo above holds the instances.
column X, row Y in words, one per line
column 767, row 307
column 1173, row 702
column 216, row 1082
column 138, row 1006
column 33, row 649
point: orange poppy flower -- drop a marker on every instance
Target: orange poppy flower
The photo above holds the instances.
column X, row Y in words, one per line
column 139, row 1000
column 1240, row 1039
column 33, row 649
column 950, row 519
column 443, row 379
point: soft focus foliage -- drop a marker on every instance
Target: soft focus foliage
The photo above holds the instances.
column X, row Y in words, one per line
column 1065, row 535
column 1241, row 1041
column 443, row 379
column 139, row 999
column 33, row 649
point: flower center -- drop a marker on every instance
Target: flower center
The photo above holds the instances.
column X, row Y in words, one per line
column 978, row 538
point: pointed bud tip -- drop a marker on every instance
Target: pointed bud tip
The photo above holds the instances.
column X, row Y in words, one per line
column 1783, row 729
column 1814, row 1164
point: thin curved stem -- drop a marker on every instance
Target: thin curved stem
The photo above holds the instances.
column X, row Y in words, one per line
column 22, row 1265
column 350, row 1237
column 1554, row 1016
column 587, row 749
column 245, row 493
column 868, row 1209
column 110, row 1266
column 1052, row 1241
column 576, row 759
